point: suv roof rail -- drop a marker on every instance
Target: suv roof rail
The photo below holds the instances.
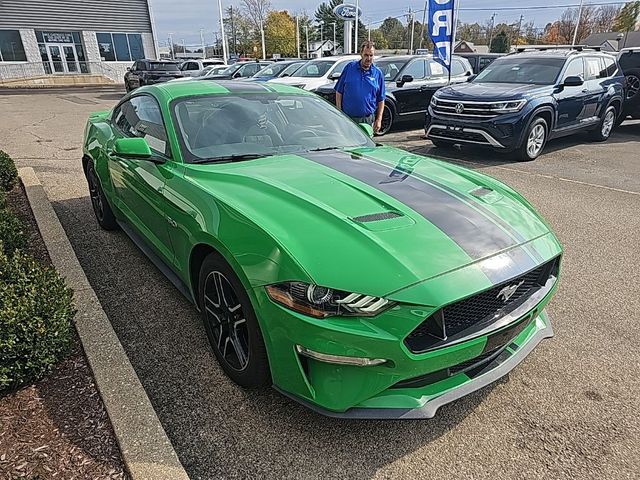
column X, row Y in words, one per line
column 578, row 48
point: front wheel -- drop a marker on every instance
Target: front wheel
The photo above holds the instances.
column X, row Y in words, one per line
column 534, row 140
column 387, row 120
column 605, row 127
column 231, row 324
column 101, row 208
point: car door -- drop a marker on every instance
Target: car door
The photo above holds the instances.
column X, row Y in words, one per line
column 595, row 73
column 571, row 100
column 408, row 94
column 437, row 77
column 139, row 183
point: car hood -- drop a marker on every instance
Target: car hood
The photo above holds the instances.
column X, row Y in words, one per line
column 491, row 91
column 374, row 220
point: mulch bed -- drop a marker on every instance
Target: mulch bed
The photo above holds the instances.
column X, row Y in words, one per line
column 57, row 427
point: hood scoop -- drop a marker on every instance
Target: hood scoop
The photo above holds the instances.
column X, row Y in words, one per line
column 376, row 217
column 486, row 194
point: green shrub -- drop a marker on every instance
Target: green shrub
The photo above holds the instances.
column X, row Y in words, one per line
column 36, row 312
column 3, row 200
column 8, row 172
column 13, row 235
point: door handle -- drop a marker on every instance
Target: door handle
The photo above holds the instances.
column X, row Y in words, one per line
column 586, row 90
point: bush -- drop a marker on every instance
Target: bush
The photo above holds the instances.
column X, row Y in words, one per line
column 36, row 311
column 13, row 235
column 3, row 199
column 8, row 172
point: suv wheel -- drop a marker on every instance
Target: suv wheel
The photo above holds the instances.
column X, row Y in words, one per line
column 632, row 79
column 534, row 140
column 387, row 120
column 604, row 128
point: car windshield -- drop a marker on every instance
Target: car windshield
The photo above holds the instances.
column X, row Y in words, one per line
column 291, row 69
column 221, row 128
column 271, row 70
column 231, row 69
column 390, row 68
column 315, row 69
column 537, row 71
column 163, row 66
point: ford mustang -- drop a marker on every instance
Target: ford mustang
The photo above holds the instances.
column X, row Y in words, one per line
column 360, row 280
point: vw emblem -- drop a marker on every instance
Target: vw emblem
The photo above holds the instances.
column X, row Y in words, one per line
column 507, row 292
column 459, row 108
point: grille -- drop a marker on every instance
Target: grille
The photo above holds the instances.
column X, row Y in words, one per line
column 470, row 109
column 476, row 361
column 459, row 135
column 375, row 217
column 481, row 309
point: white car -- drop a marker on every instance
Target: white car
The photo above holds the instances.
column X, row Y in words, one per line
column 206, row 71
column 318, row 72
column 193, row 68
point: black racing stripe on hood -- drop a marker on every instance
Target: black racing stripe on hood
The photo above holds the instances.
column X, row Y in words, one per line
column 472, row 231
column 471, row 199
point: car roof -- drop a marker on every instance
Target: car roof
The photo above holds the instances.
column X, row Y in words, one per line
column 220, row 87
column 556, row 53
column 409, row 57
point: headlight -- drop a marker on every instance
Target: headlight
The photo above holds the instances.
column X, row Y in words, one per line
column 322, row 302
column 508, row 107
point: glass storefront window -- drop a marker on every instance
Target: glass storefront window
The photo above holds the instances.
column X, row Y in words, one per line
column 11, row 48
column 121, row 47
column 136, row 47
column 105, row 43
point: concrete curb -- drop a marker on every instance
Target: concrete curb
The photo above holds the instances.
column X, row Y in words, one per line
column 146, row 449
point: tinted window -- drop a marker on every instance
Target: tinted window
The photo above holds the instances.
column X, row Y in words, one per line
column 121, row 46
column 141, row 117
column 163, row 66
column 483, row 62
column 575, row 69
column 291, row 69
column 105, row 44
column 249, row 70
column 610, row 67
column 271, row 70
column 436, row 69
column 135, row 46
column 416, row 69
column 457, row 67
column 11, row 49
column 191, row 66
column 390, row 68
column 592, row 68
column 522, row 70
column 315, row 69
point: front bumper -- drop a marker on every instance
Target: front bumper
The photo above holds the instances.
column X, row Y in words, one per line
column 307, row 355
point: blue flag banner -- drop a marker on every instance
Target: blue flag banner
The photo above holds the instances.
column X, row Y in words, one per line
column 441, row 30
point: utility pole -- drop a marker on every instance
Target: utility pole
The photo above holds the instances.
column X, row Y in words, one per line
column 204, row 55
column 369, row 29
column 298, row 35
column 224, row 46
column 233, row 31
column 264, row 51
column 357, row 47
column 575, row 32
column 173, row 54
column 519, row 27
column 413, row 27
column 424, row 19
column 306, row 31
column 184, row 48
column 334, row 38
column 455, row 26
column 493, row 20
column 321, row 23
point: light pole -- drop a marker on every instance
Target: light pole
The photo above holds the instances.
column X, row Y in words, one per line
column 493, row 19
column 413, row 27
column 264, row 51
column 356, row 25
column 184, row 49
column 204, row 55
column 334, row 37
column 306, row 31
column 224, row 46
column 519, row 26
column 173, row 55
column 575, row 32
column 298, row 35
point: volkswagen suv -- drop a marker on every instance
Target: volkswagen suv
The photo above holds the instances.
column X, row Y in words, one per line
column 522, row 100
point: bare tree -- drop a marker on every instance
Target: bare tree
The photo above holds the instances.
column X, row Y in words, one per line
column 257, row 10
column 605, row 18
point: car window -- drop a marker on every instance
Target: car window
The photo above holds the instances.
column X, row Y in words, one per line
column 140, row 116
column 457, row 68
column 390, row 68
column 340, row 66
column 437, row 70
column 483, row 62
column 249, row 70
column 610, row 67
column 575, row 69
column 193, row 66
column 416, row 69
column 592, row 68
column 315, row 69
column 163, row 66
column 291, row 69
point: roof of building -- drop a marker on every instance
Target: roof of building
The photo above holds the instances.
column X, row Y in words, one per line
column 631, row 39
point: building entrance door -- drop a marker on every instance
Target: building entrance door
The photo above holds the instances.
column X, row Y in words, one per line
column 63, row 58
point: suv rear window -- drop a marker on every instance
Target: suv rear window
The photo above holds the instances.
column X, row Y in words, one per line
column 163, row 66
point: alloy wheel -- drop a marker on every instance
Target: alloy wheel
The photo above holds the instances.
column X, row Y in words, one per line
column 387, row 119
column 535, row 140
column 633, row 86
column 608, row 122
column 94, row 193
column 226, row 321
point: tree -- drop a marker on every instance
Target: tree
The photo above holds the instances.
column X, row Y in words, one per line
column 500, row 43
column 379, row 39
column 240, row 32
column 257, row 11
column 605, row 18
column 393, row 31
column 280, row 34
column 324, row 13
column 627, row 18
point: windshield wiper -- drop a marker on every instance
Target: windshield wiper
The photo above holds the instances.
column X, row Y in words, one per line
column 322, row 149
column 233, row 158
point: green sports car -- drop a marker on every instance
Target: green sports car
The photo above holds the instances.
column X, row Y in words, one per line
column 358, row 279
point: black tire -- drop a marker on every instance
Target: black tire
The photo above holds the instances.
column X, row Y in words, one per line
column 632, row 87
column 101, row 208
column 231, row 324
column 387, row 119
column 441, row 143
column 525, row 152
column 606, row 125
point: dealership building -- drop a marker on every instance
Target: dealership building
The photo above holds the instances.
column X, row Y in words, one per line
column 58, row 37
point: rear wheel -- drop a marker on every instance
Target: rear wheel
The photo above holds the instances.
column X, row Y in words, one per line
column 534, row 140
column 632, row 80
column 231, row 324
column 605, row 127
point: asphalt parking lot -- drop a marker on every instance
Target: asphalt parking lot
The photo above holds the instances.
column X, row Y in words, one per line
column 568, row 411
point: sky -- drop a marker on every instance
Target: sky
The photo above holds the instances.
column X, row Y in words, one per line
column 185, row 18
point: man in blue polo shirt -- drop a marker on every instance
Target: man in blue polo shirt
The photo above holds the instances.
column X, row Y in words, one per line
column 360, row 89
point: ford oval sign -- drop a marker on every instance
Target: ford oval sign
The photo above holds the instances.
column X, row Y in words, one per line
column 347, row 12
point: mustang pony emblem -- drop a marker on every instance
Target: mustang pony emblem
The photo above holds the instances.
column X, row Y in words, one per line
column 507, row 292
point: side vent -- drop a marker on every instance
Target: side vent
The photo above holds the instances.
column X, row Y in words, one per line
column 376, row 217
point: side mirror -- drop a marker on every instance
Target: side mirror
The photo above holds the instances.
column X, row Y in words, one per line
column 471, row 77
column 404, row 79
column 136, row 148
column 334, row 76
column 469, row 73
column 368, row 129
column 573, row 81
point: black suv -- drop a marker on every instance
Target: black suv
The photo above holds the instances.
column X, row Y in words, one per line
column 410, row 81
column 522, row 100
column 629, row 60
column 149, row 72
